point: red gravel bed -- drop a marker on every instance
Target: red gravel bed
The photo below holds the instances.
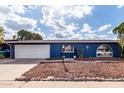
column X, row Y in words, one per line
column 76, row 70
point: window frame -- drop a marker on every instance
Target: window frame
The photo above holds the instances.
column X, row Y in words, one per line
column 67, row 51
column 104, row 52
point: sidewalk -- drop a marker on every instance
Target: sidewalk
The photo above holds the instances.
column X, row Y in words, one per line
column 60, row 84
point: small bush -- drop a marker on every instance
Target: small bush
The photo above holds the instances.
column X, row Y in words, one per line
column 122, row 52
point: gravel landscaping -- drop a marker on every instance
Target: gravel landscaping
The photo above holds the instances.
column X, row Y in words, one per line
column 76, row 71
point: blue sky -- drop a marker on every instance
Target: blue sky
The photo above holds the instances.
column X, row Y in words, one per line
column 62, row 22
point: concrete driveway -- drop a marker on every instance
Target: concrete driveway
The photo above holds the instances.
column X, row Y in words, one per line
column 10, row 69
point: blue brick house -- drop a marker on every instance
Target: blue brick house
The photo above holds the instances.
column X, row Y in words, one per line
column 64, row 48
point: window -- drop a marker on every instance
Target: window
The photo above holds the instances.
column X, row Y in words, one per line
column 67, row 48
column 104, row 51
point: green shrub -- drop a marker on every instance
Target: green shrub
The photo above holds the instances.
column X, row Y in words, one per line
column 80, row 52
column 122, row 52
column 2, row 56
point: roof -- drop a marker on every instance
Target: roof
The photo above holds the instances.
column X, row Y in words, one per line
column 60, row 41
column 7, row 40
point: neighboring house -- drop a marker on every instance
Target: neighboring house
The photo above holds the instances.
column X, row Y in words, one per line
column 64, row 48
column 5, row 50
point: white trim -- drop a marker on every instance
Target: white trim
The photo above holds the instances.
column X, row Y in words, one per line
column 107, row 46
column 61, row 41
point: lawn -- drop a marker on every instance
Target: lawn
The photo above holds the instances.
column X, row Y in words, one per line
column 76, row 71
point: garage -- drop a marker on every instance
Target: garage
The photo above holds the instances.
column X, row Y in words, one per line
column 32, row 51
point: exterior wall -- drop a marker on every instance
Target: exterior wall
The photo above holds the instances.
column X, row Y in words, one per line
column 12, row 51
column 56, row 50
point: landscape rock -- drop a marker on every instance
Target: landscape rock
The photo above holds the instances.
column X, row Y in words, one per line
column 58, row 78
column 115, row 79
column 93, row 78
column 76, row 78
column 79, row 78
column 98, row 78
column 110, row 79
column 36, row 79
column 107, row 79
column 102, row 78
column 89, row 78
column 22, row 78
column 119, row 79
column 50, row 78
column 83, row 77
column 70, row 78
column 66, row 79
column 42, row 79
column 122, row 79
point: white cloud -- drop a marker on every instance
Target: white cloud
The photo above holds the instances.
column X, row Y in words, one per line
column 86, row 28
column 12, row 21
column 33, row 7
column 90, row 34
column 110, row 32
column 47, row 15
column 5, row 9
column 120, row 6
column 77, row 36
column 23, row 22
column 60, row 35
column 77, row 11
column 39, row 31
column 61, row 30
column 94, row 36
column 8, row 32
column 19, row 9
column 104, row 27
column 16, row 23
column 64, row 36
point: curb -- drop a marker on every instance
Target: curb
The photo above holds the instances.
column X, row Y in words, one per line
column 7, row 61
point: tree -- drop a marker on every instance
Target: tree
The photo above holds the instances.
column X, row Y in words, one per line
column 14, row 37
column 119, row 31
column 37, row 36
column 1, row 34
column 27, row 35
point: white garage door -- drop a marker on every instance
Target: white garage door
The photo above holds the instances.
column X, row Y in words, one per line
column 32, row 51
